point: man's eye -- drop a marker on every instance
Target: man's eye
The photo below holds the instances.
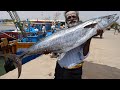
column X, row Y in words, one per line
column 71, row 17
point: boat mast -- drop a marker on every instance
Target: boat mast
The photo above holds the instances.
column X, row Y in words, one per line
column 17, row 22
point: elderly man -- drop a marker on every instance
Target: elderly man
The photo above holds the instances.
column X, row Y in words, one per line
column 69, row 65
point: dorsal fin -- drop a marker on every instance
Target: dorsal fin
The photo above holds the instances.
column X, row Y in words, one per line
column 91, row 25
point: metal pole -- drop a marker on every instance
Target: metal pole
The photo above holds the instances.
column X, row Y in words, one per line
column 17, row 23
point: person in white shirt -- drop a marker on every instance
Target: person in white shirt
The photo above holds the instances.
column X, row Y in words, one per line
column 53, row 27
column 69, row 65
column 44, row 30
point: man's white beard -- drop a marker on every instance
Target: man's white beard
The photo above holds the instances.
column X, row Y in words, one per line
column 71, row 24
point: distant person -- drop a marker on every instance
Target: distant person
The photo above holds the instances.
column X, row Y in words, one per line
column 69, row 65
column 53, row 27
column 116, row 28
column 62, row 26
column 44, row 30
column 36, row 30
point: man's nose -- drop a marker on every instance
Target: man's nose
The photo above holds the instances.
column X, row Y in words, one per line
column 72, row 18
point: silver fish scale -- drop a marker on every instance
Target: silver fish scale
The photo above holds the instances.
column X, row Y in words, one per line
column 65, row 40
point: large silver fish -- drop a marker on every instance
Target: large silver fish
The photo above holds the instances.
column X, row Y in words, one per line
column 67, row 39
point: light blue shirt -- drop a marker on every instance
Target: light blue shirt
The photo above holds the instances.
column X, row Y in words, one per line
column 72, row 57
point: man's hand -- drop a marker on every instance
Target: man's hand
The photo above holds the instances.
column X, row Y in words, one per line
column 99, row 31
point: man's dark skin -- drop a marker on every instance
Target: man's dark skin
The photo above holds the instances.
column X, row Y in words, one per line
column 87, row 43
column 86, row 47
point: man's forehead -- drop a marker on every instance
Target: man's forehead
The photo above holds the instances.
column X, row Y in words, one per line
column 70, row 13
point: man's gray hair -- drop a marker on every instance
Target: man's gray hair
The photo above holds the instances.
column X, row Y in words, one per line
column 77, row 12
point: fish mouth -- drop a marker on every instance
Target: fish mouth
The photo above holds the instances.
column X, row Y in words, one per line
column 112, row 17
column 116, row 18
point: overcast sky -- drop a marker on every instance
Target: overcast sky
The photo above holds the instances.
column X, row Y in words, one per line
column 84, row 15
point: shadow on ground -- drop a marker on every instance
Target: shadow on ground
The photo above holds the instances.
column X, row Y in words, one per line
column 98, row 71
column 96, row 37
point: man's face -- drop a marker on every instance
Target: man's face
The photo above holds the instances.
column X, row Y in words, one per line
column 71, row 18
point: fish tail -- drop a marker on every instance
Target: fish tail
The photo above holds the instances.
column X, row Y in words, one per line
column 17, row 61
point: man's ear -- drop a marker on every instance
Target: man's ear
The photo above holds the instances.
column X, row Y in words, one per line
column 91, row 25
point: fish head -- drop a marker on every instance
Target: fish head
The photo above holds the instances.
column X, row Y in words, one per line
column 107, row 20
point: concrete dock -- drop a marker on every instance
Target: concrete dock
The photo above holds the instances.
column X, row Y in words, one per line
column 103, row 62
